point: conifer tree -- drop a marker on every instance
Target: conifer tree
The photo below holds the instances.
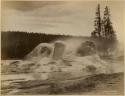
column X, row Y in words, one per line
column 108, row 32
column 97, row 24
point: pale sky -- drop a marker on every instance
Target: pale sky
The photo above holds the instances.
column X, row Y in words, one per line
column 69, row 17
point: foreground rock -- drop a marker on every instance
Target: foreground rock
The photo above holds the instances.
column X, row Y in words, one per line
column 102, row 84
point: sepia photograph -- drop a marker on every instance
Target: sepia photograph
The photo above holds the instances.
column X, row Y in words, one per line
column 62, row 47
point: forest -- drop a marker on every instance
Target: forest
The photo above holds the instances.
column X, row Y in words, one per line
column 15, row 45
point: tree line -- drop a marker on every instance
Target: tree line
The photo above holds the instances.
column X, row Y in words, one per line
column 17, row 44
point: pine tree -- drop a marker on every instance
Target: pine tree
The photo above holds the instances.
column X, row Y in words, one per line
column 107, row 28
column 97, row 24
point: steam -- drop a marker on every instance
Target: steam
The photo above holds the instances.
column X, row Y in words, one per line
column 107, row 66
column 41, row 64
column 72, row 44
column 77, row 65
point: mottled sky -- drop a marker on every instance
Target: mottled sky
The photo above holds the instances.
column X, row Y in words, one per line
column 59, row 17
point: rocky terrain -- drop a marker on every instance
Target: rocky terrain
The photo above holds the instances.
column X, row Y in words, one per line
column 106, row 84
column 55, row 69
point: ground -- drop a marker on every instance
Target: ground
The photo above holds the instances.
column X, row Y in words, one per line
column 111, row 84
column 95, row 84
